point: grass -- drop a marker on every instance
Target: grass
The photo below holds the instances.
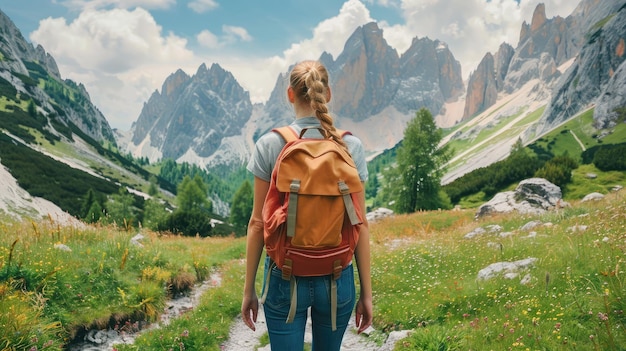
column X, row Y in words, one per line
column 50, row 295
column 574, row 298
column 424, row 279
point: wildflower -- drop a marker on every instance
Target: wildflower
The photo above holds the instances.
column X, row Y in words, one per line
column 603, row 316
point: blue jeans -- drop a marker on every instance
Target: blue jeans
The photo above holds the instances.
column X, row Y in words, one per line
column 313, row 292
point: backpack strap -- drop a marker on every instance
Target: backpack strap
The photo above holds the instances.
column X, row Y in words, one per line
column 286, row 132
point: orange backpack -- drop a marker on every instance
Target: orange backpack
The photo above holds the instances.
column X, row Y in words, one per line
column 311, row 214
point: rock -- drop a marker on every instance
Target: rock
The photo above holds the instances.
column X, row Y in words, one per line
column 593, row 197
column 530, row 225
column 591, row 175
column 475, row 232
column 532, row 196
column 506, row 268
column 577, row 228
column 378, row 213
column 136, row 240
column 62, row 247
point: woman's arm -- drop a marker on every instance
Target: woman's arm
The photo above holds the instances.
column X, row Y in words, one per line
column 254, row 249
column 364, row 307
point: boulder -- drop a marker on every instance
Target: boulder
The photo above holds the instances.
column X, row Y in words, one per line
column 507, row 269
column 532, row 196
column 593, row 197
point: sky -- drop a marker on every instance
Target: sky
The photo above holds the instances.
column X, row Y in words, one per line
column 123, row 50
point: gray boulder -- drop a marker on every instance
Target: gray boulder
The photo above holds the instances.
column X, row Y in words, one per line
column 593, row 197
column 532, row 196
column 509, row 270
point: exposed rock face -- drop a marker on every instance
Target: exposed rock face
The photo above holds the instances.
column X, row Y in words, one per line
column 364, row 74
column 533, row 196
column 614, row 96
column 482, row 89
column 544, row 45
column 602, row 54
column 19, row 50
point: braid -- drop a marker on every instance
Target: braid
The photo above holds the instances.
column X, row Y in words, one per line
column 310, row 79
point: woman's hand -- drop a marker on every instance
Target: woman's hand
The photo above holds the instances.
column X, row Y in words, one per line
column 250, row 310
column 363, row 314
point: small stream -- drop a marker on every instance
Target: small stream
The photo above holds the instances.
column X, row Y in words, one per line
column 103, row 340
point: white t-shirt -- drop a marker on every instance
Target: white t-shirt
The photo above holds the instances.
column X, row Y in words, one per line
column 268, row 147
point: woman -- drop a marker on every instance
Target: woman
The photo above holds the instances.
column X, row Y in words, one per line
column 309, row 93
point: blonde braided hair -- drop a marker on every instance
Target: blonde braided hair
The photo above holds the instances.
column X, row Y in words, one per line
column 309, row 81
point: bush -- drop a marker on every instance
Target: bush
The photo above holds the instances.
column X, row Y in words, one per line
column 558, row 170
column 187, row 223
column 610, row 158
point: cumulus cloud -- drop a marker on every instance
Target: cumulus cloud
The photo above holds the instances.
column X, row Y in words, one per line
column 230, row 35
column 331, row 34
column 208, row 39
column 239, row 33
column 114, row 53
column 124, row 4
column 202, row 6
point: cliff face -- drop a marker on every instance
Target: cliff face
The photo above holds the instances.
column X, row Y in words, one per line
column 372, row 83
column 593, row 73
column 365, row 74
column 544, row 44
column 482, row 88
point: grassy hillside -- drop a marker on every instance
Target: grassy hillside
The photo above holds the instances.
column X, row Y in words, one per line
column 424, row 279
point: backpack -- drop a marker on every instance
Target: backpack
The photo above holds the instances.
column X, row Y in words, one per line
column 311, row 216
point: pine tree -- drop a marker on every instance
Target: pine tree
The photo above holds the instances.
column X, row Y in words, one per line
column 416, row 181
column 241, row 207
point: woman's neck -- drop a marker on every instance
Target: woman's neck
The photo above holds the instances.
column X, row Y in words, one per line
column 303, row 110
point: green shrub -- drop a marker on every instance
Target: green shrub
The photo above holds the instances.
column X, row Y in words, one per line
column 187, row 223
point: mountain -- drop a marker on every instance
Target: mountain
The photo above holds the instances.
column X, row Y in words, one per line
column 376, row 91
column 191, row 116
column 28, row 73
column 371, row 84
column 559, row 68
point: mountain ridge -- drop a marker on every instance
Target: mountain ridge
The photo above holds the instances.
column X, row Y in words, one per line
column 426, row 74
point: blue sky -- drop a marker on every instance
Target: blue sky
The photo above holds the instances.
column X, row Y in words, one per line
column 122, row 50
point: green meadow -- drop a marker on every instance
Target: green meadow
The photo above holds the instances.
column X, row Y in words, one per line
column 424, row 280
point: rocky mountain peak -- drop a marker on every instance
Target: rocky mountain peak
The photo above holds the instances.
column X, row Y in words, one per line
column 539, row 17
column 174, row 81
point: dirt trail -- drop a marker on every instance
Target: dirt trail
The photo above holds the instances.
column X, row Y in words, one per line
column 241, row 338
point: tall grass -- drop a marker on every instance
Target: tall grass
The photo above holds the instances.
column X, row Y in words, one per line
column 56, row 282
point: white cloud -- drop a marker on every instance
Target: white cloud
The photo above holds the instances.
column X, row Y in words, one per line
column 331, row 34
column 202, row 6
column 124, row 4
column 208, row 39
column 237, row 33
column 115, row 53
column 231, row 35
